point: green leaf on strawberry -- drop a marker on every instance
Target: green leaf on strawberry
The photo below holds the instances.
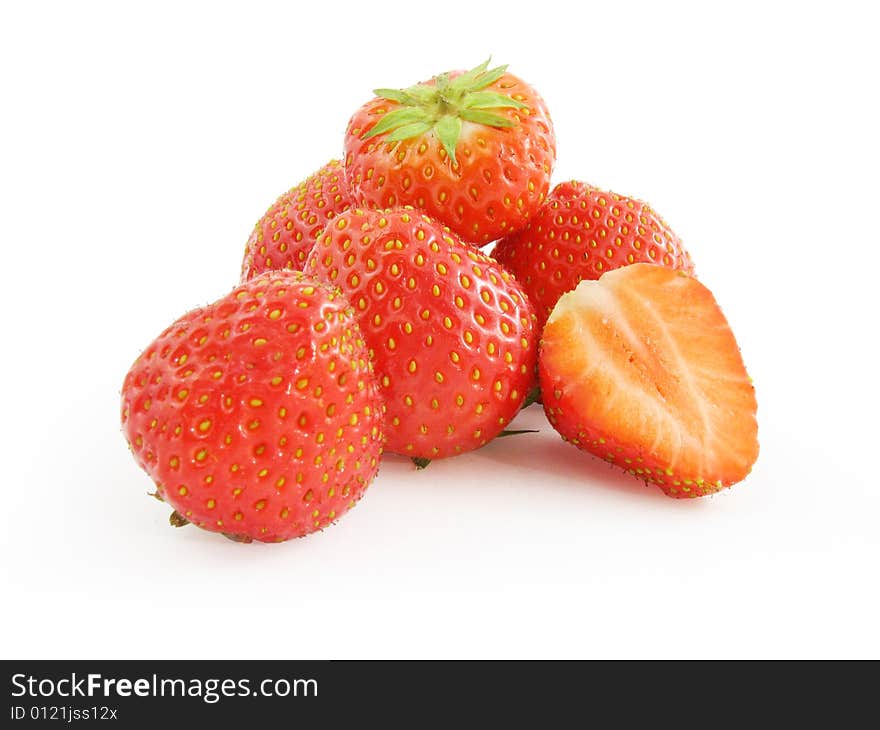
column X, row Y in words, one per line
column 442, row 104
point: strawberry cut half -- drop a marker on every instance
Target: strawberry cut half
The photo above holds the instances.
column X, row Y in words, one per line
column 642, row 369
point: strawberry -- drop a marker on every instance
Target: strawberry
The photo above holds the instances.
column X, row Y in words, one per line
column 580, row 233
column 642, row 369
column 451, row 333
column 258, row 416
column 284, row 236
column 472, row 149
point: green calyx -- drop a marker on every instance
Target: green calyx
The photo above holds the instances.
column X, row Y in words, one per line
column 441, row 107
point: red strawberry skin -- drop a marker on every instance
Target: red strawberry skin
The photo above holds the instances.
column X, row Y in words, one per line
column 498, row 181
column 452, row 334
column 258, row 416
column 283, row 237
column 641, row 368
column 580, row 233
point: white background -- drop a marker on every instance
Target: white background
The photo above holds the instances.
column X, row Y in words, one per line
column 139, row 145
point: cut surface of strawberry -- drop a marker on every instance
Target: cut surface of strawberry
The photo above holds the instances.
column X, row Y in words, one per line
column 641, row 368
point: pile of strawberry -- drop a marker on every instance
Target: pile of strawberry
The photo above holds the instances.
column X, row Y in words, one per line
column 368, row 318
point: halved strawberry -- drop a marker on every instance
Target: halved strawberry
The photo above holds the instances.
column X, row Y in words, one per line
column 642, row 369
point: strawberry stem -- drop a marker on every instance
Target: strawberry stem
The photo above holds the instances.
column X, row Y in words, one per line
column 177, row 520
column 421, row 462
column 516, row 432
column 532, row 397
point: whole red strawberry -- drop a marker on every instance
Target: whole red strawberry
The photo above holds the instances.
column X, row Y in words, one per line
column 284, row 236
column 580, row 233
column 474, row 150
column 452, row 334
column 258, row 416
